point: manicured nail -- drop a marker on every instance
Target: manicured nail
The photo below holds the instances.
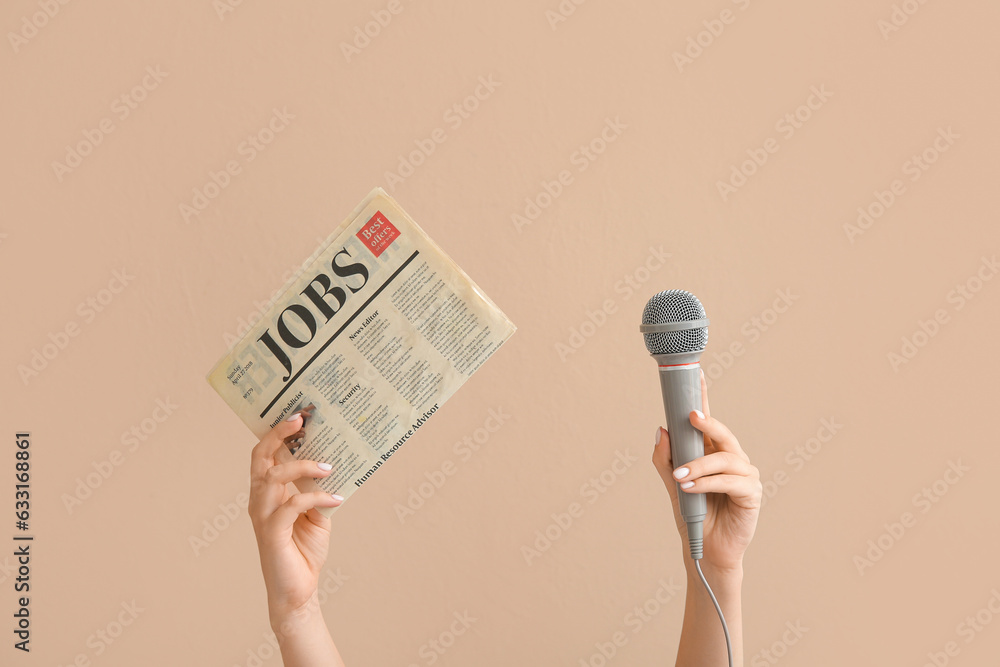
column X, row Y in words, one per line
column 681, row 473
column 700, row 414
column 687, row 485
column 657, row 437
column 294, row 416
column 323, row 465
column 336, row 497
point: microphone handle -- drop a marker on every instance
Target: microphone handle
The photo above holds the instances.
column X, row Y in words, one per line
column 680, row 382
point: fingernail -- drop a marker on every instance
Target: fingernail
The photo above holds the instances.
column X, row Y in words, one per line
column 336, row 497
column 687, row 485
column 657, row 437
column 681, row 473
column 700, row 414
column 294, row 416
column 324, row 465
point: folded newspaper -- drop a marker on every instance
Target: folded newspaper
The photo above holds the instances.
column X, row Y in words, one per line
column 375, row 332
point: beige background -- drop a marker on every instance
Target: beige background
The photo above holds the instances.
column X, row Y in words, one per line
column 570, row 415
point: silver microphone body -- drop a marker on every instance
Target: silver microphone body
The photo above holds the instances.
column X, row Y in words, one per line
column 680, row 384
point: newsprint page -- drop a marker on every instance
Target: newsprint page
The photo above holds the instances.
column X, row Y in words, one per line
column 376, row 332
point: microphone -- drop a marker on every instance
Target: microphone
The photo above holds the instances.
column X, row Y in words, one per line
column 675, row 330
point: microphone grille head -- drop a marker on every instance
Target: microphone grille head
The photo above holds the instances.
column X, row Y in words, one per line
column 674, row 305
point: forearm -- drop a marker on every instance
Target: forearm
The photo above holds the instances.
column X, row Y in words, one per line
column 303, row 637
column 703, row 643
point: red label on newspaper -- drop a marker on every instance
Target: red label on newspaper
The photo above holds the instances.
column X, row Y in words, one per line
column 378, row 234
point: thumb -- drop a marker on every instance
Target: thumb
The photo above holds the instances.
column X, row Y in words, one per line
column 664, row 465
column 662, row 461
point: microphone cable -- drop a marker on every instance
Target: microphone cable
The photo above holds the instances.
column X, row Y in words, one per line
column 725, row 628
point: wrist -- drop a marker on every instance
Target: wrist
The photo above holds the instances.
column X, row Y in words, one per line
column 289, row 619
column 723, row 577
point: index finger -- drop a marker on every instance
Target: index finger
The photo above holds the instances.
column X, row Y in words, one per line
column 722, row 438
column 704, row 394
column 709, row 445
column 262, row 455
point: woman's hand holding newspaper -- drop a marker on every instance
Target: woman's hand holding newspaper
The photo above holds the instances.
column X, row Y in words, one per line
column 293, row 539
